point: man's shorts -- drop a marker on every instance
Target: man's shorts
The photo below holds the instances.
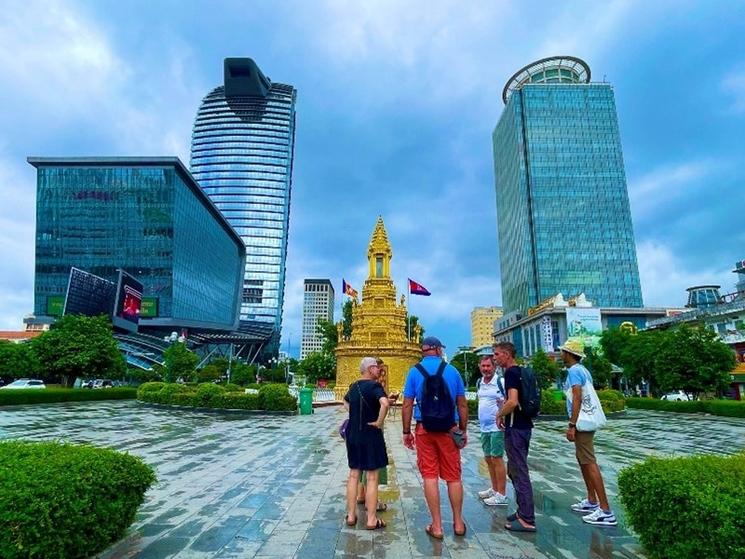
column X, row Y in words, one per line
column 493, row 443
column 584, row 447
column 437, row 455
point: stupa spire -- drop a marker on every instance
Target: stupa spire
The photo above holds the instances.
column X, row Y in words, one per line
column 379, row 252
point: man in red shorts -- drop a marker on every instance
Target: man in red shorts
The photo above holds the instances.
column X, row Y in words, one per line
column 438, row 452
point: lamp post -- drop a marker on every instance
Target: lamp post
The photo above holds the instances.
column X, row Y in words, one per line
column 465, row 350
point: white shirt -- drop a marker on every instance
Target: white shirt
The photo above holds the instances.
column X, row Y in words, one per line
column 491, row 397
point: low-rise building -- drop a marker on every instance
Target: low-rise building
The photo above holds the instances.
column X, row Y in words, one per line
column 482, row 325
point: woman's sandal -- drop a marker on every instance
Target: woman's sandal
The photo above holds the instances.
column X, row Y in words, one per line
column 460, row 534
column 350, row 522
column 378, row 525
column 431, row 534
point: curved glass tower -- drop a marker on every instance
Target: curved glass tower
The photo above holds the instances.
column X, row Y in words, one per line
column 241, row 155
column 564, row 221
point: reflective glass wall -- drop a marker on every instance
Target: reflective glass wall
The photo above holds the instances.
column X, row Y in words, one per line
column 147, row 221
column 562, row 202
column 241, row 156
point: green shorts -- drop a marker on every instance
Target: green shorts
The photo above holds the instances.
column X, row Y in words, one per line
column 493, row 443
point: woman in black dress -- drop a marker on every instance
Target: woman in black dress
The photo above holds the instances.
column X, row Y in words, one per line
column 367, row 404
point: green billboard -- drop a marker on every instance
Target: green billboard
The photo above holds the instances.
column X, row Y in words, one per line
column 55, row 305
column 149, row 307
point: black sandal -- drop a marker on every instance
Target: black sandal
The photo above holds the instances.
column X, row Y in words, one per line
column 378, row 525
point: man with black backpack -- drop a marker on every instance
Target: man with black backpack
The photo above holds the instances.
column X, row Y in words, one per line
column 441, row 415
column 516, row 417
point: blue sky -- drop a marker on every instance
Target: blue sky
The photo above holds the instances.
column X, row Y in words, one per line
column 396, row 105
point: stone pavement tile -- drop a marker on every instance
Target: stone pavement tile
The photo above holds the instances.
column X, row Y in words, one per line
column 226, row 483
column 282, row 542
column 257, row 530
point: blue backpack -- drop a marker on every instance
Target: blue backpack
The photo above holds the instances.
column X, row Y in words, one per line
column 437, row 405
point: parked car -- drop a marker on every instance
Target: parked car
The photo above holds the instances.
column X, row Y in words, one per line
column 103, row 383
column 676, row 396
column 25, row 383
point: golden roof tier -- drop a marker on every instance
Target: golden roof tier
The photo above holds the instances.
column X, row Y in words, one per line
column 378, row 323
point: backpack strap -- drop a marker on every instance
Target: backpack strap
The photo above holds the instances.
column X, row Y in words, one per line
column 419, row 367
column 441, row 368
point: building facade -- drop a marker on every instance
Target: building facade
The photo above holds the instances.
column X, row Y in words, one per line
column 148, row 217
column 241, row 155
column 482, row 325
column 564, row 222
column 548, row 325
column 318, row 303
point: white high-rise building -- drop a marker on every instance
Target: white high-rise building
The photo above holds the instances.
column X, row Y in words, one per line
column 318, row 302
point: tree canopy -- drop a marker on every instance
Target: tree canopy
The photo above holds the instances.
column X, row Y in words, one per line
column 179, row 363
column 79, row 346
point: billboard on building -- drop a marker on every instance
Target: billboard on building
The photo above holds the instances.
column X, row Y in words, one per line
column 149, row 307
column 585, row 325
column 55, row 305
column 88, row 294
column 128, row 302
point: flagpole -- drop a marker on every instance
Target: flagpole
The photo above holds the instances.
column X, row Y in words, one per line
column 408, row 317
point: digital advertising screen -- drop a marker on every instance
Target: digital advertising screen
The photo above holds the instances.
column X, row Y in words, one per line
column 128, row 302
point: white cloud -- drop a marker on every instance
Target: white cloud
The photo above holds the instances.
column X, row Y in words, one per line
column 17, row 195
column 651, row 191
column 56, row 60
column 733, row 85
column 664, row 279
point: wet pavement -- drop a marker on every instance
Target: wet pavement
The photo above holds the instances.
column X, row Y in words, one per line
column 260, row 486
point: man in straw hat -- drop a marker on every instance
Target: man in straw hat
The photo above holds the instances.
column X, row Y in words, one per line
column 594, row 507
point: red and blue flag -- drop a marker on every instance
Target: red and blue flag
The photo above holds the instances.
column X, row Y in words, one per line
column 417, row 288
column 348, row 289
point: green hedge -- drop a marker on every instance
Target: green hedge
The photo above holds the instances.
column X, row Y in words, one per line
column 66, row 501
column 271, row 397
column 611, row 400
column 727, row 408
column 687, row 507
column 51, row 395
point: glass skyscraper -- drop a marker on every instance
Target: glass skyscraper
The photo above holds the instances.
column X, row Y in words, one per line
column 148, row 217
column 241, row 155
column 564, row 222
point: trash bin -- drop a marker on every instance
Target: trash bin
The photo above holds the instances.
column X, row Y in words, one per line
column 306, row 401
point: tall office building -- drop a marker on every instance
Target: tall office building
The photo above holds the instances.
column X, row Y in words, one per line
column 482, row 325
column 564, row 222
column 318, row 303
column 241, row 155
column 147, row 216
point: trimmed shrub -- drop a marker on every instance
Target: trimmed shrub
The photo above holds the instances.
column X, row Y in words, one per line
column 687, row 507
column 727, row 408
column 208, row 393
column 150, row 387
column 53, row 395
column 64, row 500
column 663, row 405
column 230, row 387
column 473, row 409
column 276, row 397
column 552, row 406
column 612, row 400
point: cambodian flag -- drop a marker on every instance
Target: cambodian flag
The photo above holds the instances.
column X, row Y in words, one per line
column 348, row 289
column 417, row 288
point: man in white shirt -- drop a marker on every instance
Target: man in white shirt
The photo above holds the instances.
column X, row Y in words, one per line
column 491, row 395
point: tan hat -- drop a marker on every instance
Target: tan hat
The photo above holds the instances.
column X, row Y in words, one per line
column 575, row 347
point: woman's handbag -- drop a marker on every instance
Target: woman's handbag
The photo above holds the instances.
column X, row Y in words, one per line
column 343, row 428
column 591, row 415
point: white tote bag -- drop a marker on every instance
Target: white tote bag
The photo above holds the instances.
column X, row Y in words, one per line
column 591, row 415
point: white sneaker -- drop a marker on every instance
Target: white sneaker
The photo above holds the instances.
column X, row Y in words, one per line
column 496, row 500
column 600, row 518
column 585, row 506
column 487, row 493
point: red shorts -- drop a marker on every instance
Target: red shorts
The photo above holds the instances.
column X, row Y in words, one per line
column 437, row 455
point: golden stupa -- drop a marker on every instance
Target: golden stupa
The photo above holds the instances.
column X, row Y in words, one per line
column 378, row 323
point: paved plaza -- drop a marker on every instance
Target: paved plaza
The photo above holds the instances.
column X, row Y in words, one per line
column 259, row 486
